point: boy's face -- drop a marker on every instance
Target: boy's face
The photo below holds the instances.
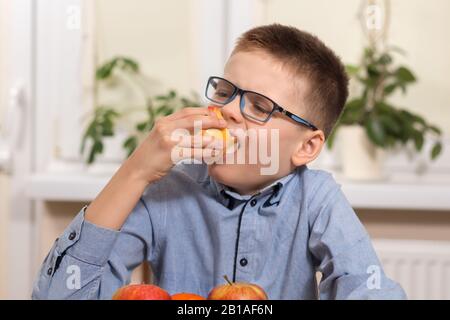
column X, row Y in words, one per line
column 296, row 145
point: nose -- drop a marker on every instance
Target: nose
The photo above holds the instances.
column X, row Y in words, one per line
column 232, row 112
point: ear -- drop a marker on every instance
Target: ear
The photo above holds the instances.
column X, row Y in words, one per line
column 309, row 148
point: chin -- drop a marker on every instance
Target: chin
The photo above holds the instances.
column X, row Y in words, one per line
column 231, row 175
column 242, row 178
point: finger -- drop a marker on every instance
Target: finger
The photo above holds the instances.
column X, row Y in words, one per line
column 198, row 154
column 189, row 111
column 203, row 122
column 200, row 141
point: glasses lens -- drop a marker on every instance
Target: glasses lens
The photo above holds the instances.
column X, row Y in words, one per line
column 219, row 91
column 257, row 106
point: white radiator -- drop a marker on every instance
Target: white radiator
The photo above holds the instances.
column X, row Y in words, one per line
column 421, row 267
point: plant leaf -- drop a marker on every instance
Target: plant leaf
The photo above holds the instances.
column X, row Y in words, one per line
column 107, row 128
column 418, row 140
column 172, row 94
column 436, row 150
column 332, row 137
column 164, row 110
column 368, row 52
column 141, row 126
column 373, row 71
column 405, row 75
column 105, row 70
column 436, row 130
column 130, row 144
column 390, row 88
column 390, row 124
column 161, row 98
column 351, row 69
column 130, row 64
column 384, row 59
column 353, row 111
column 97, row 148
column 375, row 131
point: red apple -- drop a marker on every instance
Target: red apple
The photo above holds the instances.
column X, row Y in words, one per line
column 187, row 296
column 237, row 291
column 141, row 292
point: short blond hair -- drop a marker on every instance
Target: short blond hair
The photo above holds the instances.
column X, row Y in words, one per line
column 306, row 56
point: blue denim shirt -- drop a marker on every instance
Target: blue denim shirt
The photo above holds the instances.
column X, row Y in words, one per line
column 193, row 230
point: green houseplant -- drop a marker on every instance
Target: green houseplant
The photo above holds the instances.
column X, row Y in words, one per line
column 104, row 118
column 384, row 124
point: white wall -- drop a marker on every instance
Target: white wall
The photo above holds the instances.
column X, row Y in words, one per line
column 419, row 27
column 156, row 33
column 4, row 181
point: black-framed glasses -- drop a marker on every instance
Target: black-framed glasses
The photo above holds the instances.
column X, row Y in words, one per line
column 252, row 104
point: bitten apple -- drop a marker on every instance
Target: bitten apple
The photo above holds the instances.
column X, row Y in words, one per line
column 237, row 291
column 222, row 134
column 141, row 292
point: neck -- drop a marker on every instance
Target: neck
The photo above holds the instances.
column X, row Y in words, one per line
column 252, row 190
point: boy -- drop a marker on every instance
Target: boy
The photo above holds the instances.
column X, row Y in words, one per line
column 195, row 223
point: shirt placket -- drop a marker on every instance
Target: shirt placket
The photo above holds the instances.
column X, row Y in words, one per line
column 244, row 255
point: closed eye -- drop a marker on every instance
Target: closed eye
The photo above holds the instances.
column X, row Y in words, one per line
column 222, row 94
column 260, row 109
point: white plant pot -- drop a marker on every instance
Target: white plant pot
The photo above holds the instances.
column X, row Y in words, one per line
column 360, row 159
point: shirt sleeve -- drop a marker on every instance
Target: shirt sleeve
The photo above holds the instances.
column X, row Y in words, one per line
column 91, row 262
column 343, row 252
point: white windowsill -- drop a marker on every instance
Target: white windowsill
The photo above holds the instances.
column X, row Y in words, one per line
column 406, row 191
column 400, row 192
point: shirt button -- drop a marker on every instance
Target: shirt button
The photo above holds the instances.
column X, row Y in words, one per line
column 253, row 202
column 72, row 235
column 49, row 271
column 243, row 262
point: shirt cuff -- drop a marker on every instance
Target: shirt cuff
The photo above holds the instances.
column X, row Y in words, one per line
column 86, row 241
